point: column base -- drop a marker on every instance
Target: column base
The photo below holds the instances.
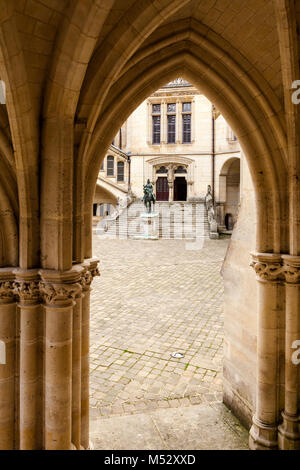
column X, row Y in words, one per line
column 289, row 433
column 262, row 436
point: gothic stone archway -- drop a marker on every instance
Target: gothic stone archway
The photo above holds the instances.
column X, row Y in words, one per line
column 74, row 71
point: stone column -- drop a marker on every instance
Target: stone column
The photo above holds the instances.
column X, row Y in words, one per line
column 59, row 289
column 76, row 370
column 7, row 369
column 91, row 271
column 171, row 182
column 263, row 433
column 26, row 288
column 289, row 430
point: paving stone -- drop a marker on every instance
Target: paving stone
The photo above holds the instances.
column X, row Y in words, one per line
column 150, row 301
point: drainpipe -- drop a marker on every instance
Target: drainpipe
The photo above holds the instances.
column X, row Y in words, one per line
column 129, row 172
column 213, row 152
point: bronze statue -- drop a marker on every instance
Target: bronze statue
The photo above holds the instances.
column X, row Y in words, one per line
column 148, row 195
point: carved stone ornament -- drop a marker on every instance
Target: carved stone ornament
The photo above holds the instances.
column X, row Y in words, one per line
column 59, row 293
column 27, row 291
column 292, row 273
column 6, row 289
column 95, row 272
column 268, row 271
column 86, row 279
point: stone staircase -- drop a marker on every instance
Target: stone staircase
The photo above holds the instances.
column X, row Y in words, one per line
column 177, row 220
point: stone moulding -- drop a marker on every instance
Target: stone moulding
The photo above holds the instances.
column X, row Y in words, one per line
column 267, row 266
column 6, row 290
column 59, row 293
column 33, row 286
column 276, row 267
column 7, row 278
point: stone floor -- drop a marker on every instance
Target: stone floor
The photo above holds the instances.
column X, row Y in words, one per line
column 155, row 298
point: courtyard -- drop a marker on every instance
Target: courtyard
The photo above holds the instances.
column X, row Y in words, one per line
column 154, row 299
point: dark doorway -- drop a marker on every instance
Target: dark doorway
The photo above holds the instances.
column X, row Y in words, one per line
column 162, row 189
column 180, row 189
column 229, row 221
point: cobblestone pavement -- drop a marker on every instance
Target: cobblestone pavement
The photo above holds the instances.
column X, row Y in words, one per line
column 155, row 298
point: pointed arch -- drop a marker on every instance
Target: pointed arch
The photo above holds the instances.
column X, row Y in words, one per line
column 258, row 128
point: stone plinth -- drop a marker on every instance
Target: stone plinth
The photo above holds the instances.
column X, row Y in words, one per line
column 150, row 227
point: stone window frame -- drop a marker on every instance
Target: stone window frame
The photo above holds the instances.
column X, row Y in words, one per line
column 164, row 101
column 117, row 175
column 108, row 158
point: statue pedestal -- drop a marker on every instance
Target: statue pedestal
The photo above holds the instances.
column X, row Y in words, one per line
column 150, row 226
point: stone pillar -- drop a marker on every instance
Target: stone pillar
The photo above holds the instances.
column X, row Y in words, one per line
column 26, row 288
column 76, row 370
column 91, row 271
column 59, row 289
column 171, row 182
column 7, row 370
column 289, row 430
column 263, row 433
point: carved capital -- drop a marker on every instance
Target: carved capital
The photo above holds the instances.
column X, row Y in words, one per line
column 27, row 291
column 95, row 271
column 267, row 266
column 291, row 267
column 59, row 294
column 6, row 290
column 86, row 280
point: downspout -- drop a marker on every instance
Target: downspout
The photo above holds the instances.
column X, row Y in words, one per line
column 129, row 173
column 213, row 153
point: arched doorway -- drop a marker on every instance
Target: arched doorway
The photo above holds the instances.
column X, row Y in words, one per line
column 162, row 189
column 180, row 188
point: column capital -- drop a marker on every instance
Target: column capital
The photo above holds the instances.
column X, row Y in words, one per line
column 60, row 287
column 291, row 268
column 7, row 278
column 268, row 266
column 92, row 265
column 26, row 286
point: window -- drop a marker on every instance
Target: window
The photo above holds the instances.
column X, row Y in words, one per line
column 120, row 175
column 171, row 129
column 110, row 165
column 230, row 135
column 186, row 131
column 171, row 118
column 162, row 169
column 180, row 169
column 156, row 130
column 171, row 108
column 186, row 123
column 156, row 123
column 186, row 107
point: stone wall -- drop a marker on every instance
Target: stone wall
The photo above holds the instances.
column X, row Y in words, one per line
column 240, row 309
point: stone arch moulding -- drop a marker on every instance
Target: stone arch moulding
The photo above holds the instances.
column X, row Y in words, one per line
column 165, row 160
column 265, row 156
column 226, row 165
